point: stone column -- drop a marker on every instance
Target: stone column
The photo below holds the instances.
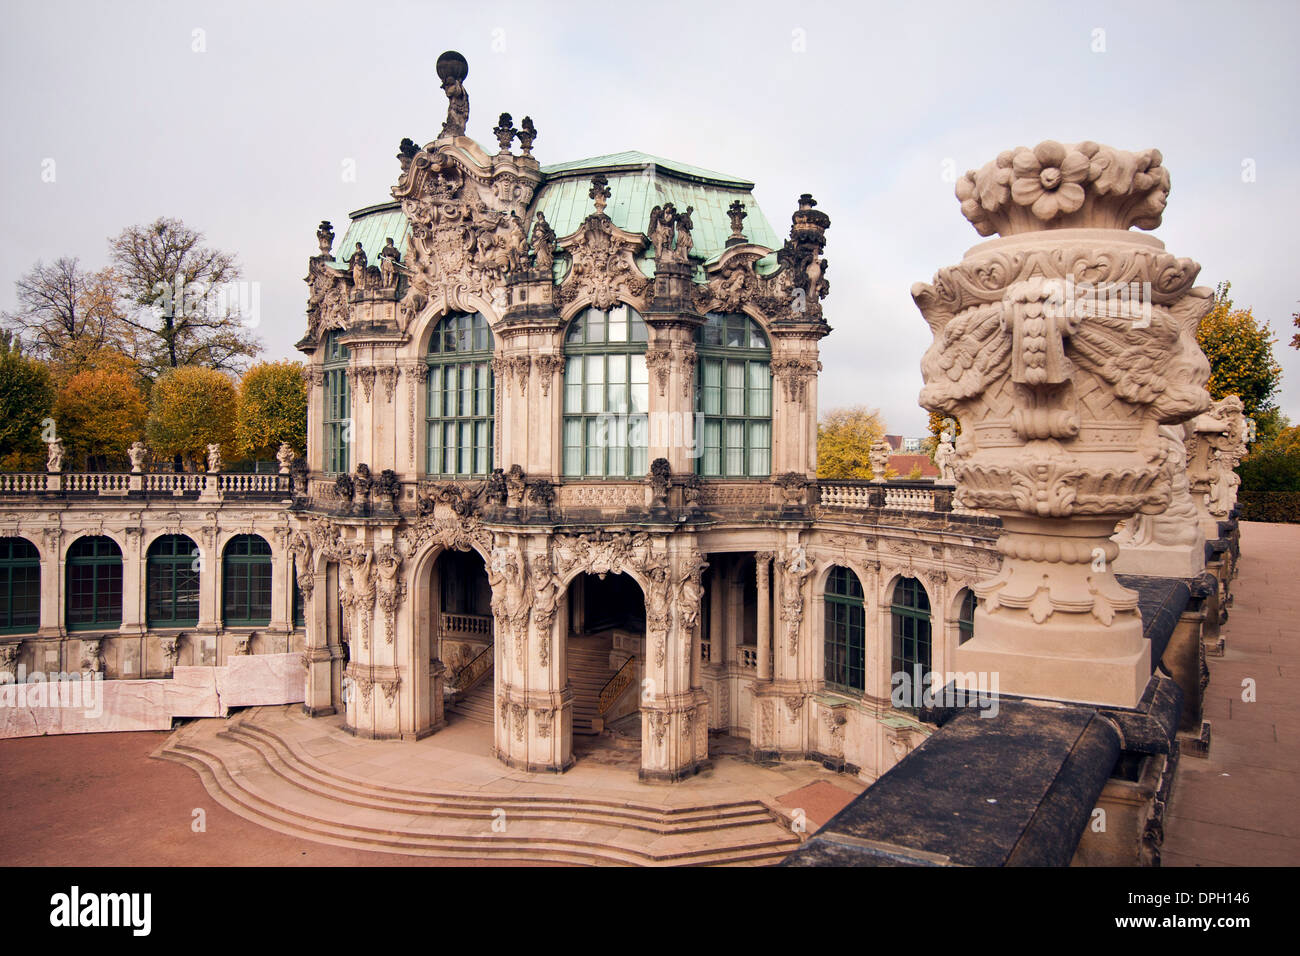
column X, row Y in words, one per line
column 762, row 561
column 52, row 577
column 132, row 585
column 1062, row 347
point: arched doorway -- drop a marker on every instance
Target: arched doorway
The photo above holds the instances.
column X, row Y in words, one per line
column 605, row 660
column 460, row 633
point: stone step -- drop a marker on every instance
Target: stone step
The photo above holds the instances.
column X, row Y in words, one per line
column 244, row 781
column 298, row 771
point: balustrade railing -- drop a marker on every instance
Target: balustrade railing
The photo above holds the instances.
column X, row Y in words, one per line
column 748, row 656
column 473, row 672
column 23, row 483
column 172, row 482
column 466, row 625
column 246, row 483
column 706, row 651
column 103, row 483
column 615, row 686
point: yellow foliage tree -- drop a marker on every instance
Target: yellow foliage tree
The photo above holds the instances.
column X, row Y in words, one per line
column 1240, row 351
column 99, row 413
column 190, row 408
column 844, row 439
column 272, row 409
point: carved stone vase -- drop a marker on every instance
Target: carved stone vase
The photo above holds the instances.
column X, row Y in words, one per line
column 1062, row 346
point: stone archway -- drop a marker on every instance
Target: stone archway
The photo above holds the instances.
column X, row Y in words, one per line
column 605, row 648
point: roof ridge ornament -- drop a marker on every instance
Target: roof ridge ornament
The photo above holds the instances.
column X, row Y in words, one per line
column 600, row 192
column 452, row 70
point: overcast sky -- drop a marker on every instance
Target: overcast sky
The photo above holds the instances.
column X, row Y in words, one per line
column 242, row 119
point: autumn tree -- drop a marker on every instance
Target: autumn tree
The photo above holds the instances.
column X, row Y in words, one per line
column 69, row 317
column 1240, row 351
column 190, row 408
column 938, row 424
column 99, row 413
column 844, row 439
column 26, row 397
column 178, row 296
column 272, row 409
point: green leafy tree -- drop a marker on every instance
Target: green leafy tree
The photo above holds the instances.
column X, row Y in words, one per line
column 99, row 413
column 1240, row 351
column 272, row 409
column 844, row 439
column 190, row 408
column 26, row 398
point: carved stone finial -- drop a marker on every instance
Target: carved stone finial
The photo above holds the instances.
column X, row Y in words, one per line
column 736, row 213
column 285, row 457
column 505, row 132
column 1055, row 186
column 527, row 133
column 599, row 192
column 325, row 237
column 879, row 457
column 406, row 152
column 452, row 70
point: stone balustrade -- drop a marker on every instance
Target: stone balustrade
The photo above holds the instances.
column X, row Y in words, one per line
column 121, row 484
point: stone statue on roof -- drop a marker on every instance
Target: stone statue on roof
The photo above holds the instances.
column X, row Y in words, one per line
column 543, row 242
column 452, row 71
column 389, row 257
column 358, row 262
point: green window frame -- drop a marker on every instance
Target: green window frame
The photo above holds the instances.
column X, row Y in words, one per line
column 459, row 397
column 845, row 664
column 246, row 582
column 338, row 407
column 606, row 395
column 966, row 616
column 733, row 394
column 94, row 583
column 911, row 630
column 172, row 582
column 20, row 586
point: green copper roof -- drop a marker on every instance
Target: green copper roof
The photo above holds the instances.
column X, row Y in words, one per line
column 637, row 181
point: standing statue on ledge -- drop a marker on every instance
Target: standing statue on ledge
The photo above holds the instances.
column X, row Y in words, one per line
column 389, row 257
column 358, row 262
column 214, row 458
column 452, row 71
column 54, row 463
column 543, row 242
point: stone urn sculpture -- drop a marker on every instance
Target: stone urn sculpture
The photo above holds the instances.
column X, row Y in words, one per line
column 1062, row 346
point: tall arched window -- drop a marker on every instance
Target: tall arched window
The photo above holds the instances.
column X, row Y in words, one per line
column 94, row 584
column 459, row 409
column 734, row 394
column 966, row 616
column 606, row 395
column 172, row 582
column 246, row 577
column 20, row 586
column 846, row 645
column 910, row 616
column 338, row 406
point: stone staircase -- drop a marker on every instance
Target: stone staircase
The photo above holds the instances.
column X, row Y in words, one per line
column 477, row 704
column 252, row 765
column 589, row 671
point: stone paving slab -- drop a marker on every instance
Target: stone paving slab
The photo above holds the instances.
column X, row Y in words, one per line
column 1237, row 808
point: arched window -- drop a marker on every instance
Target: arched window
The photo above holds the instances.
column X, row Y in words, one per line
column 734, row 393
column 172, row 582
column 846, row 646
column 459, row 409
column 94, row 584
column 246, row 577
column 338, row 406
column 20, row 586
column 606, row 395
column 966, row 616
column 910, row 615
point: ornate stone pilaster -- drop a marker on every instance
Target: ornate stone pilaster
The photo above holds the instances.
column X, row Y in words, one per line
column 1062, row 347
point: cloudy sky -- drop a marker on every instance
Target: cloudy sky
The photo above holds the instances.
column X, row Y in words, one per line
column 243, row 120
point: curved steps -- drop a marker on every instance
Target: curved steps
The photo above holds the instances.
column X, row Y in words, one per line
column 258, row 773
column 477, row 704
